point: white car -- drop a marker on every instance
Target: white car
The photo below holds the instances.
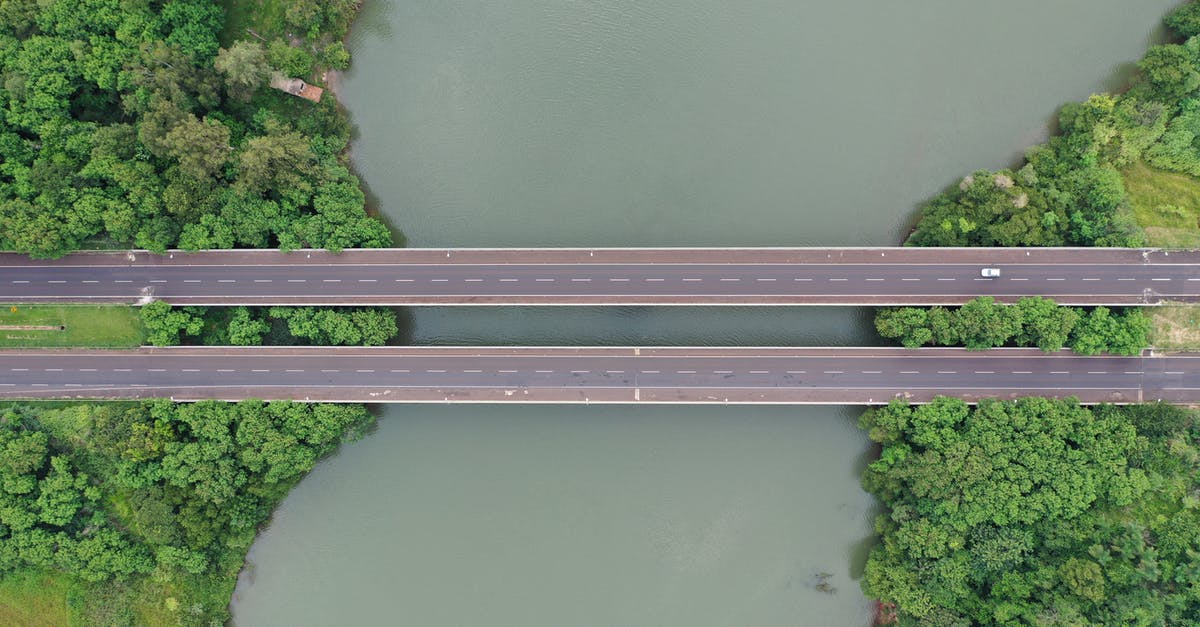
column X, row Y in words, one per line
column 989, row 273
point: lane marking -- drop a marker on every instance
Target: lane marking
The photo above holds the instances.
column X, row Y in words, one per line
column 262, row 280
column 366, row 370
column 1059, row 372
column 1160, row 279
column 689, row 280
column 368, row 280
column 764, row 280
column 910, row 372
column 473, row 280
column 947, row 372
column 1021, row 372
column 226, row 280
column 834, row 372
column 508, row 280
column 544, row 280
column 655, row 280
column 297, row 280
column 985, row 372
column 399, row 370
column 730, row 279
column 585, row 280
column 945, row 279
column 838, row 279
column 616, row 279
column 331, row 280
column 1055, row 279
column 438, row 280
column 1129, row 279
column 910, row 279
column 191, row 280
column 875, row 279
column 1016, row 279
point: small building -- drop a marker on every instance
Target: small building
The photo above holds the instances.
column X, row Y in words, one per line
column 296, row 87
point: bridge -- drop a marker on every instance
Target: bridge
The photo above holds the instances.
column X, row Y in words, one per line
column 607, row 276
column 863, row 376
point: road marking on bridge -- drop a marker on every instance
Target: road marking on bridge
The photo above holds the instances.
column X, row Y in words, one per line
column 946, row 279
column 331, row 280
column 1129, row 279
column 373, row 280
column 1091, row 279
column 766, row 279
column 473, row 280
column 910, row 372
column 691, row 280
column 651, row 372
column 1024, row 372
column 401, row 370
column 947, row 372
column 262, row 280
column 544, row 280
column 1055, row 279
column 730, row 279
column 985, row 372
column 875, row 279
column 872, row 372
column 910, row 279
column 1018, row 279
column 191, row 280
column 838, row 279
column 260, row 370
column 1059, row 372
column 226, row 280
column 801, row 279
column 505, row 280
column 685, row 372
column 578, row 280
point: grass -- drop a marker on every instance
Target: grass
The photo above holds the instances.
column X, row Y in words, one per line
column 34, row 598
column 1175, row 327
column 1165, row 204
column 265, row 17
column 84, row 326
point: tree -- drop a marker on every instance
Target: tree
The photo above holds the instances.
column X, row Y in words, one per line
column 164, row 324
column 245, row 67
column 981, row 323
column 202, row 147
column 1044, row 324
column 1185, row 20
column 908, row 324
column 245, row 329
column 1171, row 71
column 278, row 161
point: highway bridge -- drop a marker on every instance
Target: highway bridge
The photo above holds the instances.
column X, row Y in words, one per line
column 861, row 376
column 607, row 276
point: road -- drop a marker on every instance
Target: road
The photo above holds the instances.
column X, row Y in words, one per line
column 593, row 375
column 608, row 276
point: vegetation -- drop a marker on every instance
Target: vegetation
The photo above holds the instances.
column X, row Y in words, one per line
column 275, row 326
column 147, row 509
column 983, row 323
column 125, row 123
column 1175, row 327
column 1080, row 186
column 101, row 326
column 1166, row 205
column 1036, row 512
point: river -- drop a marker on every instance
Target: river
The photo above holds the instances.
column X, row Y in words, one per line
column 672, row 122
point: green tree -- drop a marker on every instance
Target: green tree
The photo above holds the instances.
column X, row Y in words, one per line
column 164, row 324
column 245, row 67
column 202, row 147
column 245, row 329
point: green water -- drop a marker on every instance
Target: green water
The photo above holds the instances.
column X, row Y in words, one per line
column 671, row 122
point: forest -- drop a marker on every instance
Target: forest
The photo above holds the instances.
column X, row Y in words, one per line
column 1033, row 321
column 125, row 123
column 150, row 507
column 273, row 326
column 1035, row 512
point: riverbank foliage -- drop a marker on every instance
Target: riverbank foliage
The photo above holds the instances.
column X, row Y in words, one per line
column 146, row 510
column 1036, row 512
column 125, row 123
column 273, row 326
column 982, row 323
column 1072, row 190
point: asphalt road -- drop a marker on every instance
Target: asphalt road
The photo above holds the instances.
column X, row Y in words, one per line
column 593, row 375
column 731, row 276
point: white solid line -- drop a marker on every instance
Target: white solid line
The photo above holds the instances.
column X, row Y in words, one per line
column 122, row 281
column 872, row 372
column 20, row 281
column 293, row 371
column 260, row 371
column 473, row 371
column 1091, row 279
column 226, row 370
column 543, row 371
column 1133, row 372
column 910, row 372
column 331, row 371
column 91, row 281
column 650, row 372
column 1170, row 372
column 411, row 280
column 617, row 279
column 722, row 372
column 54, row 369
column 796, row 371
column 685, row 372
column 189, row 370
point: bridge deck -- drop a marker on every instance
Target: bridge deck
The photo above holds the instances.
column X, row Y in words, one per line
column 609, row 276
column 594, row 375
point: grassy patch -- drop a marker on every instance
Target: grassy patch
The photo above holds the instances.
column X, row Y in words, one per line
column 94, row 326
column 265, row 17
column 1175, row 327
column 1166, row 205
column 34, row 598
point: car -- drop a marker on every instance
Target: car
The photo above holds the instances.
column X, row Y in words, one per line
column 989, row 273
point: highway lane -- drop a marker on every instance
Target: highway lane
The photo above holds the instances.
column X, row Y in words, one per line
column 593, row 375
column 850, row 276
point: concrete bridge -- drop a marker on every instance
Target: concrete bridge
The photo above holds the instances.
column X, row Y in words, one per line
column 608, row 276
column 861, row 376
